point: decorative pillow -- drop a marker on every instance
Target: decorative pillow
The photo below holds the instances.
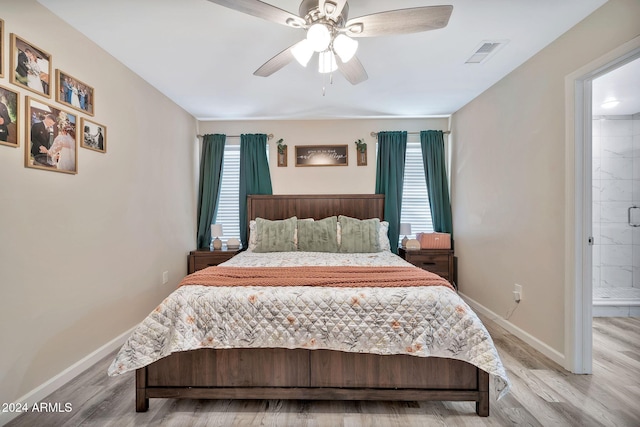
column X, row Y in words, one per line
column 275, row 236
column 383, row 238
column 359, row 235
column 318, row 236
column 253, row 234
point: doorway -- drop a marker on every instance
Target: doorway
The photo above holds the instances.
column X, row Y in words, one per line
column 615, row 152
column 579, row 204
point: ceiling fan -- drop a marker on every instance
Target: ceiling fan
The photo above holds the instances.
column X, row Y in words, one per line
column 331, row 34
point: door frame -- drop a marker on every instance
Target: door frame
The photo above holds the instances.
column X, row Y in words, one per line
column 578, row 205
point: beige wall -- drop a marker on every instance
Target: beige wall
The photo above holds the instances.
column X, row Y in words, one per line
column 351, row 179
column 82, row 256
column 508, row 177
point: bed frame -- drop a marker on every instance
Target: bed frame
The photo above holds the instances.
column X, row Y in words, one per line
column 274, row 373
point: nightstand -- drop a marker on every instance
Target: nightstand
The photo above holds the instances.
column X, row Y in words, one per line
column 203, row 258
column 438, row 261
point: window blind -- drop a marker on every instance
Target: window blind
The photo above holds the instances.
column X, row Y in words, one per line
column 228, row 213
column 228, row 205
column 415, row 197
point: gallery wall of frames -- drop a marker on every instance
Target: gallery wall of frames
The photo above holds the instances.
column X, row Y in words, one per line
column 47, row 113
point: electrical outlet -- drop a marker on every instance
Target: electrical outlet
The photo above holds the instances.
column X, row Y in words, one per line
column 517, row 292
column 165, row 277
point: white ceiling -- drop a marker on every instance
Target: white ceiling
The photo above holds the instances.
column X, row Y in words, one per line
column 621, row 84
column 202, row 55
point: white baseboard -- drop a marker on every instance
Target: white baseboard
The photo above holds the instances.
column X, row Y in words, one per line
column 534, row 342
column 39, row 393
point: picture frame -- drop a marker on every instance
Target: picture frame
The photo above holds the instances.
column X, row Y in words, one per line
column 9, row 117
column 283, row 153
column 361, row 157
column 51, row 141
column 1, row 48
column 94, row 135
column 322, row 155
column 74, row 93
column 30, row 67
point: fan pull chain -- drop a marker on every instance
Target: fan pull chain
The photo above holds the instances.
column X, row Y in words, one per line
column 324, row 82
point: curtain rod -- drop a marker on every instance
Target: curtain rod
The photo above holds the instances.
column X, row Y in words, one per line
column 270, row 136
column 445, row 132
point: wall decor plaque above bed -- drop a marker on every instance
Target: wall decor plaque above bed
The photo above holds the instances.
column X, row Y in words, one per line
column 322, row 155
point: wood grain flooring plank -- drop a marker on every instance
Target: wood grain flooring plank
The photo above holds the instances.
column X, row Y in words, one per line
column 543, row 394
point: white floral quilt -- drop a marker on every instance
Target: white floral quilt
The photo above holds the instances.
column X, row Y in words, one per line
column 418, row 321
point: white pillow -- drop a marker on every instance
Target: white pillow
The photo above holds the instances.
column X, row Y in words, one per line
column 253, row 236
column 385, row 244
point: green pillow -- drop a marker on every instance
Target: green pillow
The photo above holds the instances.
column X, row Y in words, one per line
column 275, row 236
column 318, row 236
column 359, row 235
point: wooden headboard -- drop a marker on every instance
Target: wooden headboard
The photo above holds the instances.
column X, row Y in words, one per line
column 361, row 206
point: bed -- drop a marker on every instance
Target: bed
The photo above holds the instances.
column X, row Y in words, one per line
column 312, row 342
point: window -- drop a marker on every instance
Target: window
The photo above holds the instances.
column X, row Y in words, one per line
column 415, row 197
column 228, row 213
column 228, row 204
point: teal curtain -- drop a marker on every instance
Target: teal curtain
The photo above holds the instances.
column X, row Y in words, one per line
column 432, row 142
column 254, row 174
column 209, row 191
column 392, row 148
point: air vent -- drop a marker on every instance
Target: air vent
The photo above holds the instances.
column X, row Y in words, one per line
column 485, row 51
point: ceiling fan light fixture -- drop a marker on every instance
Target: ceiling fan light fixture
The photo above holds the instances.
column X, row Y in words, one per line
column 327, row 62
column 345, row 47
column 302, row 52
column 319, row 37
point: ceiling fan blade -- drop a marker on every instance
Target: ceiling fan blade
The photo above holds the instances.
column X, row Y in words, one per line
column 264, row 11
column 402, row 21
column 277, row 62
column 331, row 8
column 353, row 70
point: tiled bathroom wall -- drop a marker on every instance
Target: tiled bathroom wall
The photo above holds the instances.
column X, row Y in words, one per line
column 616, row 188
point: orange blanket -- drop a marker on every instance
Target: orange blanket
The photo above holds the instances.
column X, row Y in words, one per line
column 315, row 276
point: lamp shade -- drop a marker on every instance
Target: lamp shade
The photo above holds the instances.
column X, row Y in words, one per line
column 216, row 230
column 345, row 47
column 302, row 52
column 319, row 37
column 327, row 62
column 405, row 228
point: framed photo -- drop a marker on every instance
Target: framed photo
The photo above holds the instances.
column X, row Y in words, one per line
column 74, row 93
column 51, row 142
column 30, row 67
column 1, row 48
column 94, row 135
column 322, row 155
column 9, row 116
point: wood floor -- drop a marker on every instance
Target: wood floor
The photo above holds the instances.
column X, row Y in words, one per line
column 543, row 394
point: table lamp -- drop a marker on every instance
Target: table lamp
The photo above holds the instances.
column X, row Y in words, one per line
column 405, row 228
column 216, row 231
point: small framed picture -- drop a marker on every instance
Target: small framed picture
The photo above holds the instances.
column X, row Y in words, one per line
column 74, row 93
column 30, row 67
column 94, row 135
column 1, row 48
column 51, row 142
column 9, row 116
